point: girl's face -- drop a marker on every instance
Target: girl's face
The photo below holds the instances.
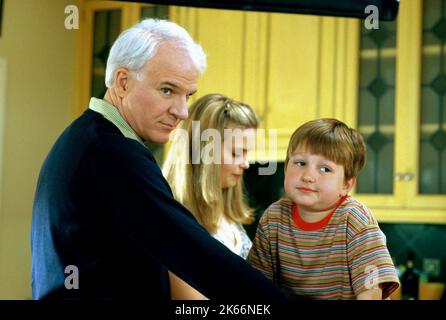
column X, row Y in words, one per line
column 313, row 182
column 237, row 143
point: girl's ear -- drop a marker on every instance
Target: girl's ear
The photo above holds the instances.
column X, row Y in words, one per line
column 348, row 185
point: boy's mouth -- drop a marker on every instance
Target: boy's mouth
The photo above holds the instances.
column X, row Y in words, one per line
column 305, row 190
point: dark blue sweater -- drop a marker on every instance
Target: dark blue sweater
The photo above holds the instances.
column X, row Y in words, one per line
column 102, row 205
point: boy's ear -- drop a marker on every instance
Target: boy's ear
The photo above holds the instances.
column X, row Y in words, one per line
column 348, row 185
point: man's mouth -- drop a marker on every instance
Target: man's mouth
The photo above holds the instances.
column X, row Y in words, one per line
column 168, row 125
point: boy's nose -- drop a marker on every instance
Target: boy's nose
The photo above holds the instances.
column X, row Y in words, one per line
column 307, row 177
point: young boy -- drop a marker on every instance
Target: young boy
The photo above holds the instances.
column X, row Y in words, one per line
column 319, row 241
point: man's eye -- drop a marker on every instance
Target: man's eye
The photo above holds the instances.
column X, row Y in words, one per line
column 166, row 91
column 188, row 96
column 325, row 169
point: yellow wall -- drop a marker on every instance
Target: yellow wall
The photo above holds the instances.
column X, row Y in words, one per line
column 38, row 105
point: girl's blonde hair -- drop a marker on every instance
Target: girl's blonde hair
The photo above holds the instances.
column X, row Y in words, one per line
column 197, row 185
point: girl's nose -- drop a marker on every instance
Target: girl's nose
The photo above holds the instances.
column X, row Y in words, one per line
column 244, row 164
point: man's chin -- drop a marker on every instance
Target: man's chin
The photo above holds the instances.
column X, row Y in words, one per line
column 158, row 139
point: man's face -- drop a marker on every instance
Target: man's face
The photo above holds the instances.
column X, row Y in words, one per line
column 155, row 104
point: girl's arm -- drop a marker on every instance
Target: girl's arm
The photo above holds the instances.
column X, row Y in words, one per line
column 180, row 290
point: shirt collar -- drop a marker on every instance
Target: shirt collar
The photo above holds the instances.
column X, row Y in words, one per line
column 111, row 113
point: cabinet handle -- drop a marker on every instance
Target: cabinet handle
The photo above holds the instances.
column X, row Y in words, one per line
column 407, row 176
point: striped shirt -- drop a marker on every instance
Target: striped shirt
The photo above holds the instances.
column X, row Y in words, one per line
column 337, row 260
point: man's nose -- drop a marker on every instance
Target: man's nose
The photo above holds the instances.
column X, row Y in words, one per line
column 179, row 110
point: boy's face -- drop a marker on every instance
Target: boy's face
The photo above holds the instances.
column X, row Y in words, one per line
column 313, row 182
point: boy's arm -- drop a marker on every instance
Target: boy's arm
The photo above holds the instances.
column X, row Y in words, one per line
column 372, row 271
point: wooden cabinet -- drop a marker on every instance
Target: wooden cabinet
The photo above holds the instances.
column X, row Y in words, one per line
column 283, row 65
column 388, row 83
column 294, row 68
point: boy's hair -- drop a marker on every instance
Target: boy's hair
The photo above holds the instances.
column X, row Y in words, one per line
column 332, row 139
column 198, row 186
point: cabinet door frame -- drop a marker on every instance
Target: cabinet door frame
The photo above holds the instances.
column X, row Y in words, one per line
column 409, row 97
column 406, row 204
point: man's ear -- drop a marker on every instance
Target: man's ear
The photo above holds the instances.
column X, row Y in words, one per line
column 121, row 82
column 348, row 185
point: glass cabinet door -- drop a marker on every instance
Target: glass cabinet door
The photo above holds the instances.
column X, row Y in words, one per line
column 106, row 28
column 154, row 11
column 432, row 153
column 101, row 23
column 376, row 107
column 376, row 114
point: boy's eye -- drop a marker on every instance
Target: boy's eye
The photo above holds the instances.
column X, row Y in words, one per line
column 299, row 163
column 166, row 91
column 325, row 169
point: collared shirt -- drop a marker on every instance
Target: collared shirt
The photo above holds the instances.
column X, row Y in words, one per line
column 111, row 113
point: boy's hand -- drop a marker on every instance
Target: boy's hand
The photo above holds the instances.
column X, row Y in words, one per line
column 371, row 294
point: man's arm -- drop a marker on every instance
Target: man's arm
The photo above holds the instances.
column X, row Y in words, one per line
column 147, row 213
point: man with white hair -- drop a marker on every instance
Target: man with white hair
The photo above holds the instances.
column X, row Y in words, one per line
column 105, row 224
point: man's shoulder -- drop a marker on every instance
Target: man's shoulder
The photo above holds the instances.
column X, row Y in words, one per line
column 92, row 138
column 103, row 136
column 89, row 125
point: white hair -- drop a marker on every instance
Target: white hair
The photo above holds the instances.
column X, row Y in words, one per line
column 137, row 45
